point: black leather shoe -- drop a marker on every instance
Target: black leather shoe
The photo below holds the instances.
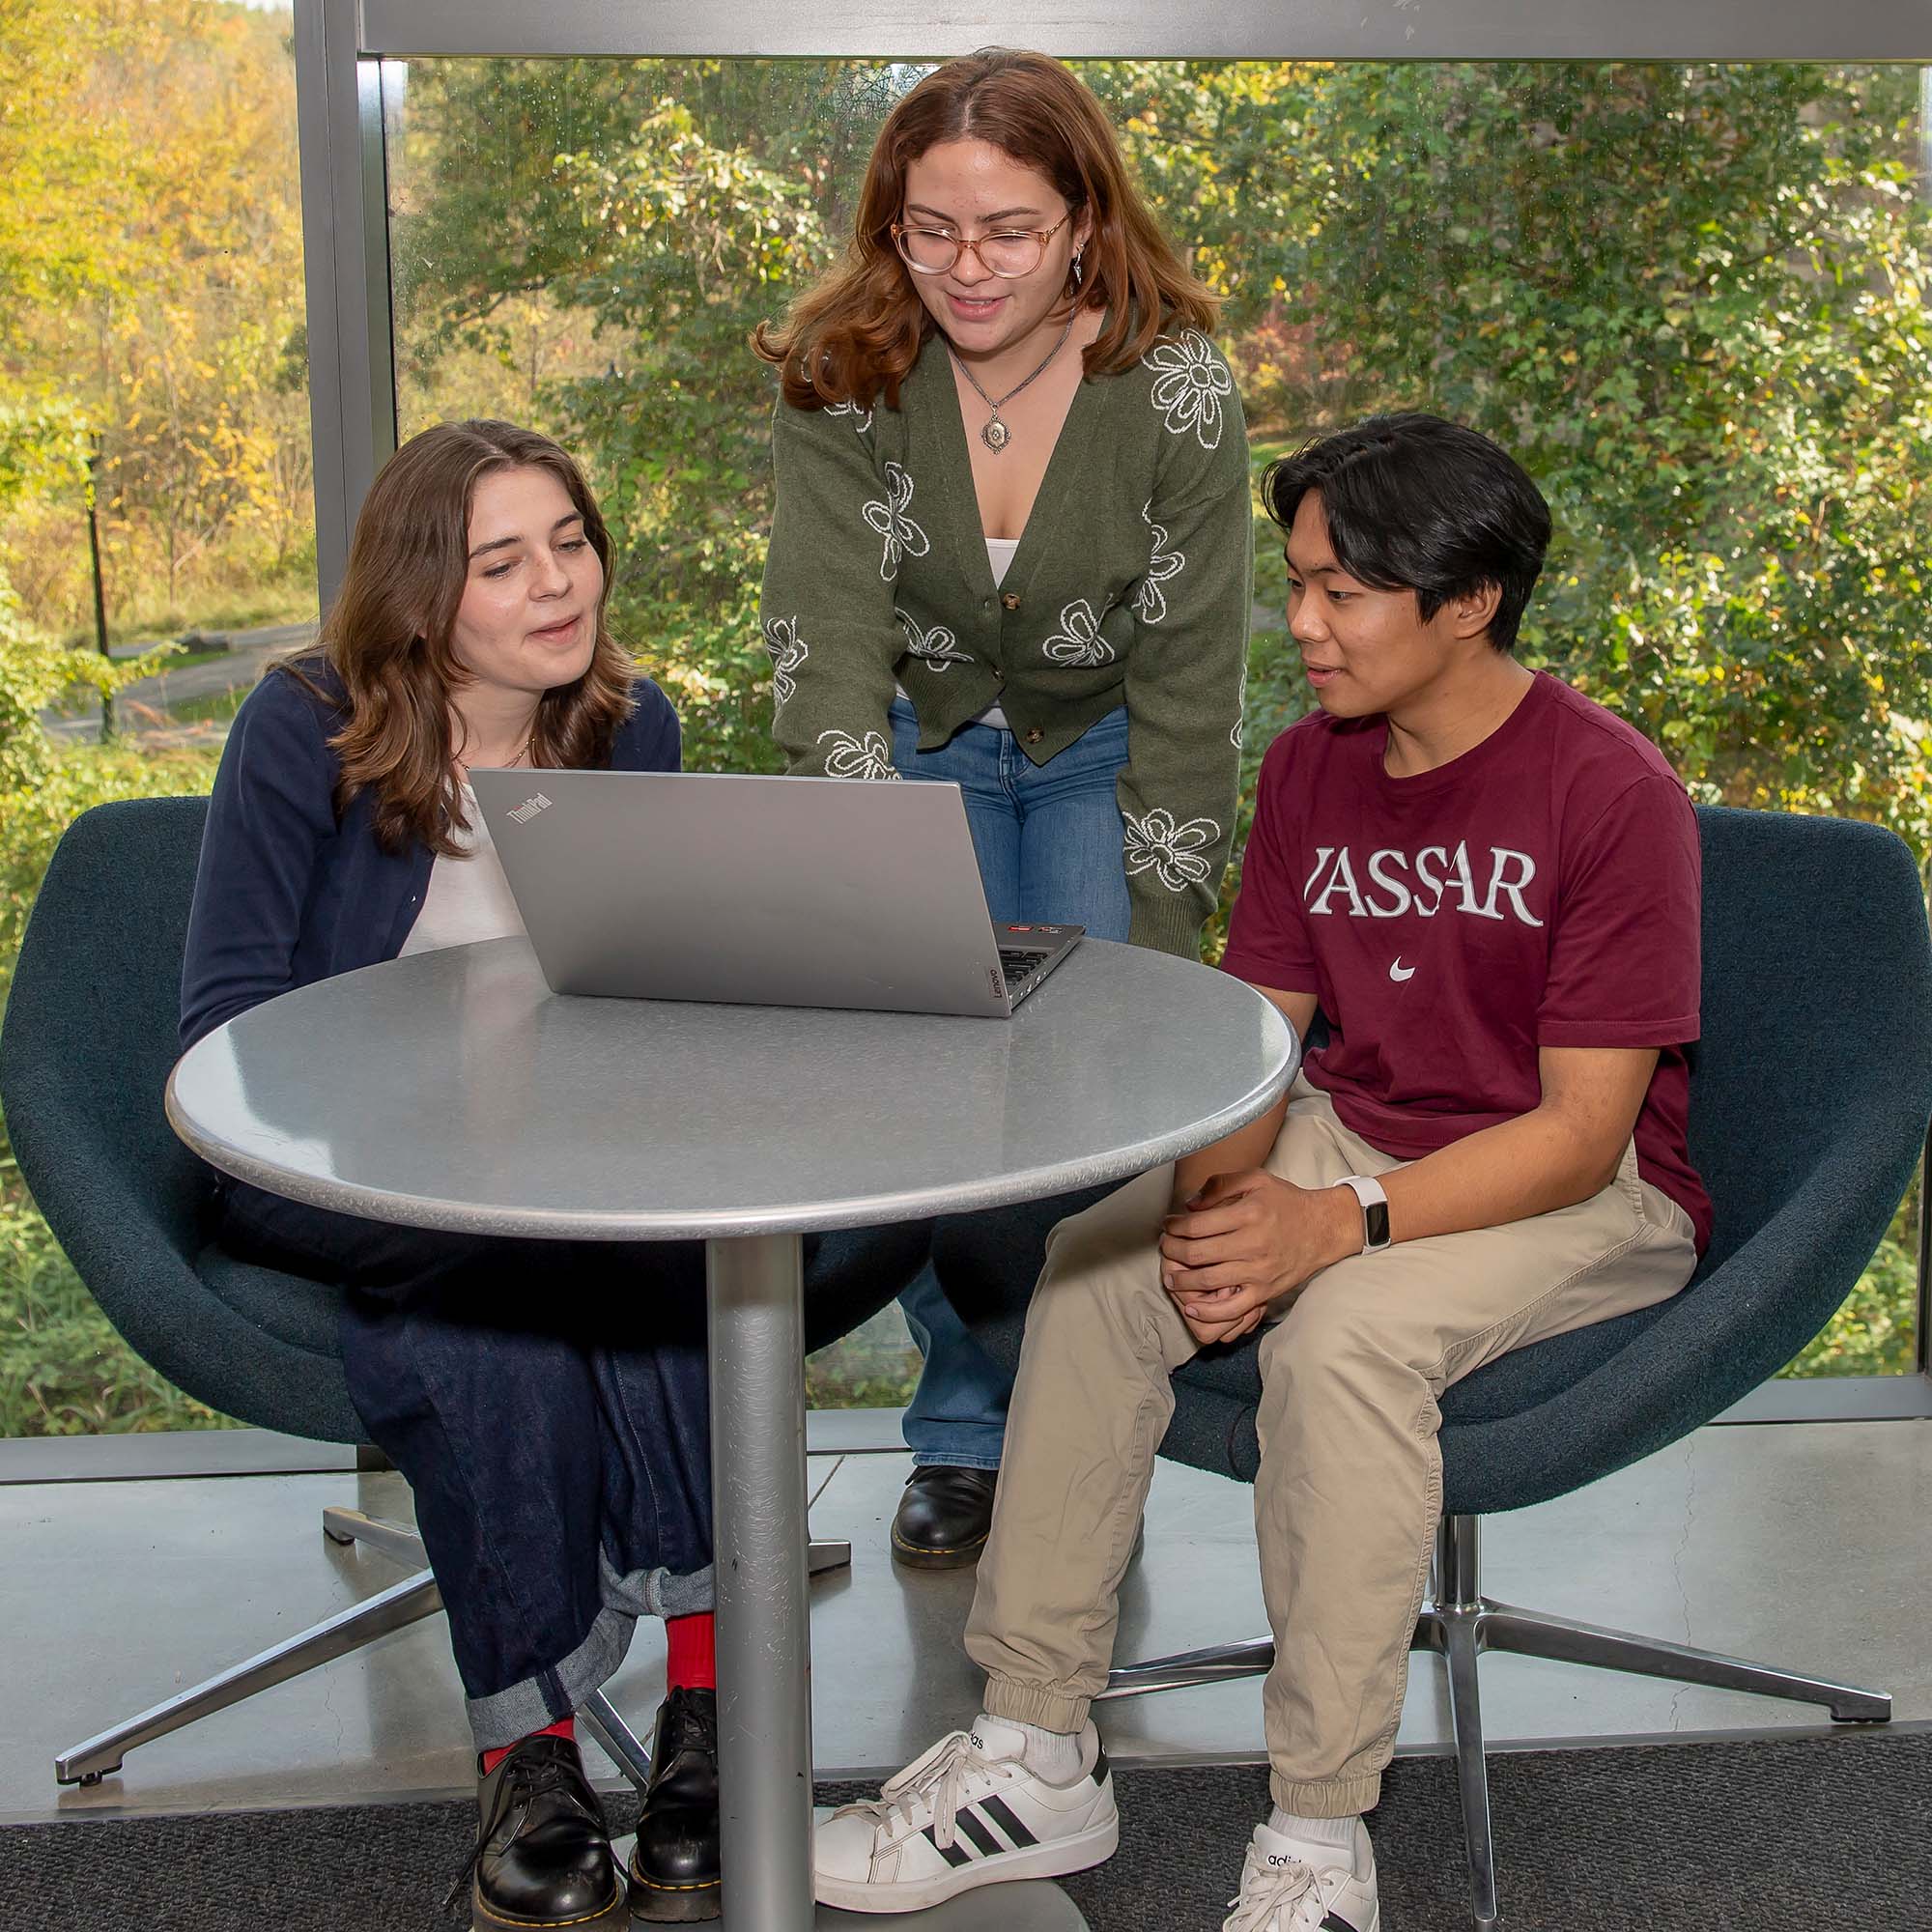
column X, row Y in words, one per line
column 675, row 1867
column 542, row 1857
column 943, row 1518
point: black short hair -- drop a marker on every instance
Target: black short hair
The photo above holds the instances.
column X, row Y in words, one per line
column 1417, row 504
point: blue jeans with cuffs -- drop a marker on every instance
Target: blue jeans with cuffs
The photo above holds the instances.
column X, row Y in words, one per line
column 548, row 1403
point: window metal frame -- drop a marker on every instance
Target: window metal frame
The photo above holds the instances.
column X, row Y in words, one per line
column 1852, row 32
column 145, row 1456
column 340, row 44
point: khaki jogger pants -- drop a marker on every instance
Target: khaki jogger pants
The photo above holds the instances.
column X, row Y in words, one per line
column 1349, row 1488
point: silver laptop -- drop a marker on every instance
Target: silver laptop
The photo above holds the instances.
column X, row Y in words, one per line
column 776, row 891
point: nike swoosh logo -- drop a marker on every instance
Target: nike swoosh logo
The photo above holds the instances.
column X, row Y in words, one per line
column 1398, row 972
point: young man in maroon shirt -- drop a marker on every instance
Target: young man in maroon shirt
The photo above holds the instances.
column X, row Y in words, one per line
column 1489, row 887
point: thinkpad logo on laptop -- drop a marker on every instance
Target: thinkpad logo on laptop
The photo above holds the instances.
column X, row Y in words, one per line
column 529, row 809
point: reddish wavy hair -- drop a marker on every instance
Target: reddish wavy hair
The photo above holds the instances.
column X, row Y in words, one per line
column 859, row 331
column 387, row 636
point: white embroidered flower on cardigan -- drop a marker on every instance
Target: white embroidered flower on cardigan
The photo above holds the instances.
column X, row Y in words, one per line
column 1149, row 601
column 1240, row 710
column 938, row 647
column 787, row 652
column 850, row 757
column 888, row 516
column 1078, row 640
column 1172, row 852
column 1192, row 382
column 862, row 419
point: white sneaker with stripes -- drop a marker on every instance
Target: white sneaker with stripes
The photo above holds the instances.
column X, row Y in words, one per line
column 1291, row 1886
column 969, row 1812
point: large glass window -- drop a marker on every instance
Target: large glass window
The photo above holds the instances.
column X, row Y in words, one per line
column 157, row 523
column 1692, row 299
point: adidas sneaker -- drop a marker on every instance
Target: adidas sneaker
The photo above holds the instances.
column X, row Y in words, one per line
column 1288, row 1886
column 967, row 1813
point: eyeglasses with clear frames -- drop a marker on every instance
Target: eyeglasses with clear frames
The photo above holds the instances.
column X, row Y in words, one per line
column 1007, row 253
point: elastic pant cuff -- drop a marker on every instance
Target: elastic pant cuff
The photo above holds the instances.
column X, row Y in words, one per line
column 1330, row 1798
column 1028, row 1704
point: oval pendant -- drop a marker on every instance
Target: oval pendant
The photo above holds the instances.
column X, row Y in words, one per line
column 995, row 434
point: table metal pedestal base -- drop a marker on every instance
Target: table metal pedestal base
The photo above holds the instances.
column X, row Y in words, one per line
column 764, row 1646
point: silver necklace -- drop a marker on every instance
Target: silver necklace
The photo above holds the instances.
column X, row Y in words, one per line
column 996, row 434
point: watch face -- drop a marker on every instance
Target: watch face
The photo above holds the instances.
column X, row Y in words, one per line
column 1376, row 1221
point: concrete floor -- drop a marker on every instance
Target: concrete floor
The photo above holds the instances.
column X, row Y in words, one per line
column 1804, row 1545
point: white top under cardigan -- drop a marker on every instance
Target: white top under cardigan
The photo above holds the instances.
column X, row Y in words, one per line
column 467, row 898
column 999, row 555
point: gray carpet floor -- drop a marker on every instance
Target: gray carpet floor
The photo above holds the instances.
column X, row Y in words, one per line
column 1748, row 1836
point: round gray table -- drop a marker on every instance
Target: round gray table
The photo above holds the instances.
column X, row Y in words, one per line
column 453, row 1089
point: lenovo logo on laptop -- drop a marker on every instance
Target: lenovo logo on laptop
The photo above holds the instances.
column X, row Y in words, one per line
column 529, row 809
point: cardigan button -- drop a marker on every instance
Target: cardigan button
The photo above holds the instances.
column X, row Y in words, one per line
column 1010, row 600
column 1034, row 736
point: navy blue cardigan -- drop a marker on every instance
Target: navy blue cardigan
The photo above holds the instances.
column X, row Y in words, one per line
column 285, row 895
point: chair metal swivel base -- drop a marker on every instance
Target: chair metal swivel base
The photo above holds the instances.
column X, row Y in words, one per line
column 1460, row 1622
column 401, row 1604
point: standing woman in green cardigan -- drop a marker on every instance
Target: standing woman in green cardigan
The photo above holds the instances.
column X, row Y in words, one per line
column 1011, row 548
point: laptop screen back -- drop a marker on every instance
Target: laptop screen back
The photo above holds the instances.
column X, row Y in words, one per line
column 773, row 890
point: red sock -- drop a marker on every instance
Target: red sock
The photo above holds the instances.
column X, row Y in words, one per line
column 565, row 1727
column 692, row 1662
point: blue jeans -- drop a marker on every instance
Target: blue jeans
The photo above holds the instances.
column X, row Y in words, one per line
column 548, row 1404
column 1048, row 839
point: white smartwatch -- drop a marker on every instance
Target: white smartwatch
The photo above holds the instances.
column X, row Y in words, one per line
column 1375, row 1210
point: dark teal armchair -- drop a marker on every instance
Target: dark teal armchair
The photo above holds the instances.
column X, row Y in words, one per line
column 89, row 1038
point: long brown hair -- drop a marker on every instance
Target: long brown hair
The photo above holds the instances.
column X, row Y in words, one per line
column 387, row 636
column 860, row 330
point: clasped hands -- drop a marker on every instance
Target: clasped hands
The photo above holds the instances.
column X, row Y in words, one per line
column 1243, row 1241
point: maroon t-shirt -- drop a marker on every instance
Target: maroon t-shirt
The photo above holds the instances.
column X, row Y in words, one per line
column 1542, row 890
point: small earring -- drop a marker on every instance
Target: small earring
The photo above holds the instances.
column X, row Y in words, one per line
column 1075, row 270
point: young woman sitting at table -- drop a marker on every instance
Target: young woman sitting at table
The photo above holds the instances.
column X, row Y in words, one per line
column 547, row 1401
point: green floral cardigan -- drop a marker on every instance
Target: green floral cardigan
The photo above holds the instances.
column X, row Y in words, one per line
column 1131, row 585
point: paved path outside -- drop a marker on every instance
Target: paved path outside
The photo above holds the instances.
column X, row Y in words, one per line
column 274, row 634
column 142, row 709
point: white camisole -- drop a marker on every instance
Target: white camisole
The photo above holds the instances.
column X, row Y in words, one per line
column 1000, row 556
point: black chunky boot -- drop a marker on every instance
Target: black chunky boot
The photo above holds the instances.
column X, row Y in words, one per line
column 674, row 1868
column 943, row 1516
column 542, row 1859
